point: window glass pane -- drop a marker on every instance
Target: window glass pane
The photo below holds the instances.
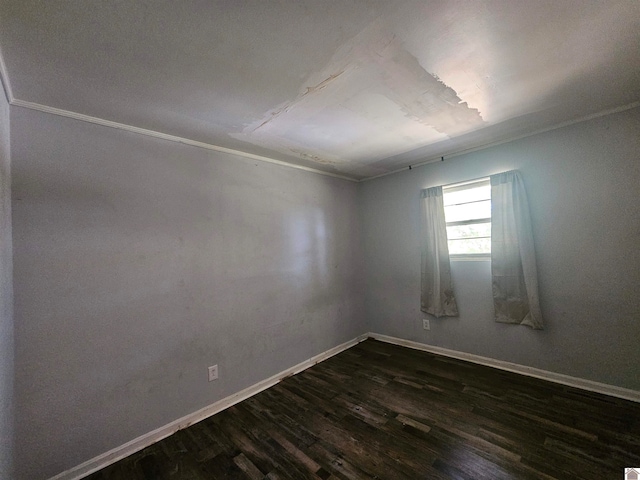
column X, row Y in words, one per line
column 473, row 194
column 469, row 245
column 469, row 211
column 469, row 231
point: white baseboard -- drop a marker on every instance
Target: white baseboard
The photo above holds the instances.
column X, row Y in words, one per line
column 118, row 453
column 568, row 380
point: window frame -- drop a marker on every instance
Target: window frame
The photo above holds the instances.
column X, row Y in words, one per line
column 464, row 186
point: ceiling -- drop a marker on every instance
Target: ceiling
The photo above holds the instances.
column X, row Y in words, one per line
column 357, row 88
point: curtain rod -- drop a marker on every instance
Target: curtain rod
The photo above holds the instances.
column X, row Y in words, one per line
column 467, row 182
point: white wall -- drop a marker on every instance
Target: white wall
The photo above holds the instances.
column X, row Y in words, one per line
column 139, row 262
column 583, row 184
column 6, row 297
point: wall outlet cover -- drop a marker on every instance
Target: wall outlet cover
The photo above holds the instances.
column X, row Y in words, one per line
column 425, row 324
column 213, row 373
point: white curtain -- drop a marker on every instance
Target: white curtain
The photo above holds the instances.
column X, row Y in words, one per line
column 513, row 266
column 437, row 292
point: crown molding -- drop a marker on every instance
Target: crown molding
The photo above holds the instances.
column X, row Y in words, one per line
column 216, row 148
column 164, row 136
column 439, row 158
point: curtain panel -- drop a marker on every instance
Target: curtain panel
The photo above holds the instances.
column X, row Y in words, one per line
column 513, row 268
column 437, row 291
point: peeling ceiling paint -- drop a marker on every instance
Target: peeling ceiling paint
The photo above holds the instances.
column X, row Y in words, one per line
column 356, row 88
column 373, row 91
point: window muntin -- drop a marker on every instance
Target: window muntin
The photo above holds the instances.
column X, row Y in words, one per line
column 467, row 211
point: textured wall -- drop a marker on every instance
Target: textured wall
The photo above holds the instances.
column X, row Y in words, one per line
column 6, row 297
column 582, row 182
column 139, row 262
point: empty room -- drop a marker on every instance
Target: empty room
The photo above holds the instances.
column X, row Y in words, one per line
column 319, row 239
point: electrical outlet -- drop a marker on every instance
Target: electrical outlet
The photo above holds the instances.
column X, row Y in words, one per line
column 425, row 324
column 213, row 373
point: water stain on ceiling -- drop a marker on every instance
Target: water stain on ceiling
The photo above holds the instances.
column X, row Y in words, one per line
column 373, row 96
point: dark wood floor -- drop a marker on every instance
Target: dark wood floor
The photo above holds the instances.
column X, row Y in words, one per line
column 387, row 412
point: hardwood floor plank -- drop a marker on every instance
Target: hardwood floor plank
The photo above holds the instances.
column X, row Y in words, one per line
column 298, row 454
column 247, row 467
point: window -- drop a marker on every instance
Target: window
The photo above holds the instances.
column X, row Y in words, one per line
column 467, row 212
